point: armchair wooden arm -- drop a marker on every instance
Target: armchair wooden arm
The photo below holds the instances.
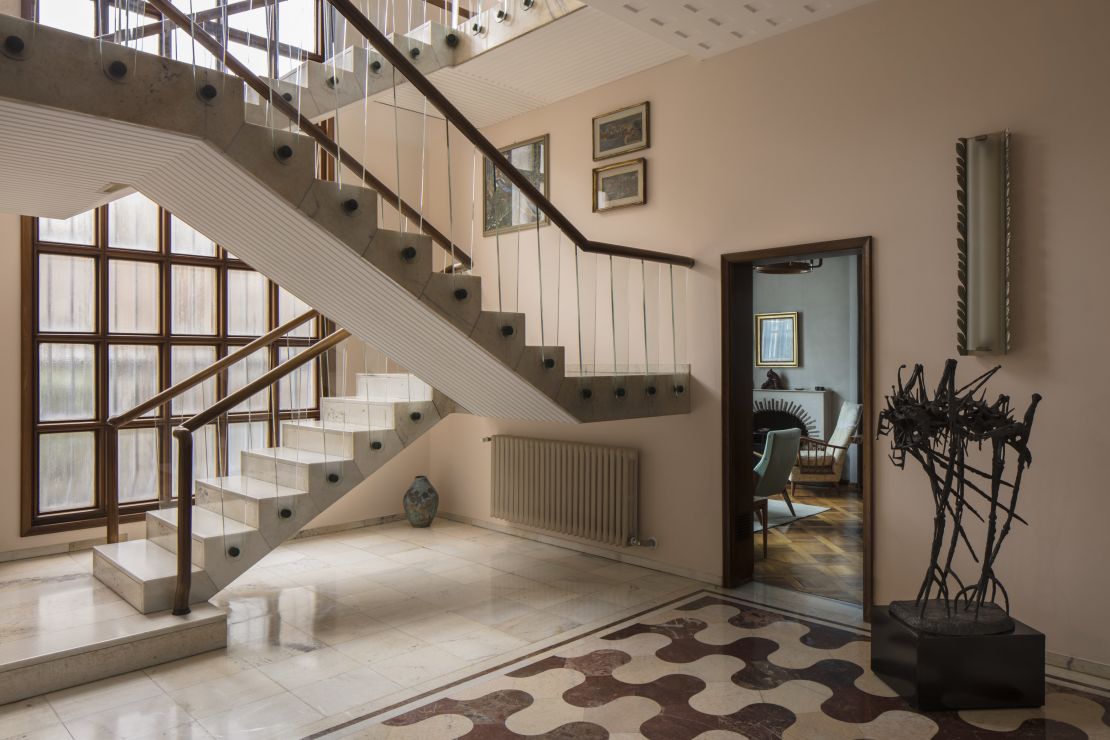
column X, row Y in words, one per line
column 806, row 441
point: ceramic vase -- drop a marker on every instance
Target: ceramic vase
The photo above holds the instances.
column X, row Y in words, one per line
column 421, row 502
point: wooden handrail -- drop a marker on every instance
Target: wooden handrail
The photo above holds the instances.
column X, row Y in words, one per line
column 402, row 64
column 232, row 400
column 183, row 433
column 202, row 375
column 316, row 132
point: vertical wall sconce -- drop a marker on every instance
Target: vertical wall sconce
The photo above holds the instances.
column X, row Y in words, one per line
column 983, row 308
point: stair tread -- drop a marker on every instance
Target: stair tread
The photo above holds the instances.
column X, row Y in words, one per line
column 206, row 523
column 294, row 455
column 142, row 560
column 335, row 426
column 253, row 488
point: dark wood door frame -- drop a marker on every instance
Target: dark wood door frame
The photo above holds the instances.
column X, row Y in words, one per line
column 737, row 343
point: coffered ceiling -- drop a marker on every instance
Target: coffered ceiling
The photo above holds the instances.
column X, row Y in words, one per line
column 705, row 28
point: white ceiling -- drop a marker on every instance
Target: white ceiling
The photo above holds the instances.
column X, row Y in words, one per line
column 705, row 28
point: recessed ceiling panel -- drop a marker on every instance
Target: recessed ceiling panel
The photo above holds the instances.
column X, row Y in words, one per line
column 705, row 28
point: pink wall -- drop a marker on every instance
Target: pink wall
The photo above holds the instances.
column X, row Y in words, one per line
column 847, row 128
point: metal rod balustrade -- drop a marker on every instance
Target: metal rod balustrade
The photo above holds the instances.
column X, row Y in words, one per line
column 118, row 422
column 183, row 433
column 315, row 131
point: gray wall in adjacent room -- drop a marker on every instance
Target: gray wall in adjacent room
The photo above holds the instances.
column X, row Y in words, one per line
column 827, row 301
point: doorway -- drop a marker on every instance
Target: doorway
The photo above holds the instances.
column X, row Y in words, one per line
column 805, row 392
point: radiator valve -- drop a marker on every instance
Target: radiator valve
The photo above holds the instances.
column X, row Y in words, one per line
column 647, row 542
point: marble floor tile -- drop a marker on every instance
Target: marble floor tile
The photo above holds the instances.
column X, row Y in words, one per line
column 273, row 717
column 350, row 689
column 101, row 695
column 308, row 668
column 151, row 717
column 222, row 694
column 417, row 666
column 23, row 717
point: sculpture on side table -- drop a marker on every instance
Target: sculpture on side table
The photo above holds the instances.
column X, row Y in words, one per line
column 939, row 432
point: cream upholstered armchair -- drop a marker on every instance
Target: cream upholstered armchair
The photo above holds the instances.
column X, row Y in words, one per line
column 823, row 462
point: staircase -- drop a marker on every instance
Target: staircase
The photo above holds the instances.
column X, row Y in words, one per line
column 84, row 121
column 237, row 520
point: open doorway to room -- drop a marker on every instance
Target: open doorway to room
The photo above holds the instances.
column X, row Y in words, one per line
column 796, row 404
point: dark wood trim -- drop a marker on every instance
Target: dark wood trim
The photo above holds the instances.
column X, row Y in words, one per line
column 736, row 401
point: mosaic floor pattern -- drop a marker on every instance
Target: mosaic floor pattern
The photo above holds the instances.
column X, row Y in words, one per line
column 709, row 667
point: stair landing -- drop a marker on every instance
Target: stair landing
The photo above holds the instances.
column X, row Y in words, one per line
column 61, row 627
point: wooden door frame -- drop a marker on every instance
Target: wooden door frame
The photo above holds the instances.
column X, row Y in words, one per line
column 737, row 343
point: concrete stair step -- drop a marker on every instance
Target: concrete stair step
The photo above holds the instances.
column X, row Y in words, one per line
column 222, row 546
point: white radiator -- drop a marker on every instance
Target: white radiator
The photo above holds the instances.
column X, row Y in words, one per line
column 582, row 490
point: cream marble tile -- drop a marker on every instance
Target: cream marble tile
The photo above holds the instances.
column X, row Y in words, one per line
column 442, row 627
column 267, row 639
column 468, row 572
column 380, row 646
column 584, row 609
column 495, row 612
column 484, row 643
column 22, row 717
column 101, row 695
column 180, row 674
column 538, row 625
column 416, row 666
column 272, row 717
column 302, row 670
column 343, row 692
column 158, row 716
column 222, row 694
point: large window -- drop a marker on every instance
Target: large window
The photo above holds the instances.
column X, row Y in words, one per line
column 122, row 302
column 245, row 31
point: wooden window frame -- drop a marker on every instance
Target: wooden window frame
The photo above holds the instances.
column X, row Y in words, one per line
column 36, row 522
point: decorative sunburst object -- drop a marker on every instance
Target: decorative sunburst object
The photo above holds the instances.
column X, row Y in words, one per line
column 938, row 432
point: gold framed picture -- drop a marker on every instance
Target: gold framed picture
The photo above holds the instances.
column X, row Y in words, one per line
column 776, row 339
column 622, row 131
column 620, row 185
column 504, row 207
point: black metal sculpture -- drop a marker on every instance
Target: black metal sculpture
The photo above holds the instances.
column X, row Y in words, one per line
column 938, row 432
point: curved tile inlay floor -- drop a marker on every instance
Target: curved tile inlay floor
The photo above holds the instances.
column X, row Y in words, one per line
column 709, row 666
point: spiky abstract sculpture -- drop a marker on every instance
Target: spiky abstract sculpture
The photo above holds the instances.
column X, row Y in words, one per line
column 938, row 432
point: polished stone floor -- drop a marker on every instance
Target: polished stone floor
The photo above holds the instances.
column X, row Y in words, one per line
column 329, row 628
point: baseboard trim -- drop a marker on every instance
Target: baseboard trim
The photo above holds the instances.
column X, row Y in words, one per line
column 1079, row 665
column 61, row 548
column 582, row 547
column 333, row 528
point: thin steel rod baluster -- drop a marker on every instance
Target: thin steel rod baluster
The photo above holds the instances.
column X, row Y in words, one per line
column 402, row 223
column 613, row 312
column 184, row 521
column 643, row 297
column 539, row 277
column 674, row 335
column 578, row 301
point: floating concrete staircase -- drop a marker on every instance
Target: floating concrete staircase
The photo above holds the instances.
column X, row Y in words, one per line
column 237, row 520
column 76, row 134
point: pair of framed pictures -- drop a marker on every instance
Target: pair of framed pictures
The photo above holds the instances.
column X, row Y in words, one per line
column 615, row 134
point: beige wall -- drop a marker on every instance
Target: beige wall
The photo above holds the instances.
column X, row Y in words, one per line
column 848, row 128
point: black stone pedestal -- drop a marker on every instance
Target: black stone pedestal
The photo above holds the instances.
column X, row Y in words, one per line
column 934, row 672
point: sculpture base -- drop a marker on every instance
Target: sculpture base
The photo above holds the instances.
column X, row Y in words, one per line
column 935, row 618
column 939, row 672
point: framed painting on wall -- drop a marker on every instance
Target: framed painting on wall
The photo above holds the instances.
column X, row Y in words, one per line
column 622, row 132
column 504, row 206
column 776, row 339
column 620, row 185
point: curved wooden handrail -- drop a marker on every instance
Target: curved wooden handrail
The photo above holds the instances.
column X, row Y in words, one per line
column 184, row 435
column 316, row 132
column 200, row 376
column 424, row 86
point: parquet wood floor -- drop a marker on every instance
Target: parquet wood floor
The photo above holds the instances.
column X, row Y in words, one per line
column 821, row 555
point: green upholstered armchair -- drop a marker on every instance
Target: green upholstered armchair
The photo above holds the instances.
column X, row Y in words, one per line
column 772, row 472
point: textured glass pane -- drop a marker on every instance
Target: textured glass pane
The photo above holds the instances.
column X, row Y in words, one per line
column 243, row 372
column 67, row 293
column 194, row 300
column 138, row 464
column 75, row 16
column 243, row 436
column 67, row 471
column 132, row 377
column 184, row 362
column 133, row 297
column 184, row 239
column 67, row 382
column 247, row 303
column 186, row 50
column 81, row 229
column 204, row 455
column 290, row 307
column 133, row 223
column 298, row 389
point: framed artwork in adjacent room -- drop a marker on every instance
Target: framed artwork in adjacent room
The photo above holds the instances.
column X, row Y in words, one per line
column 776, row 339
column 504, row 206
column 620, row 185
column 622, row 132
